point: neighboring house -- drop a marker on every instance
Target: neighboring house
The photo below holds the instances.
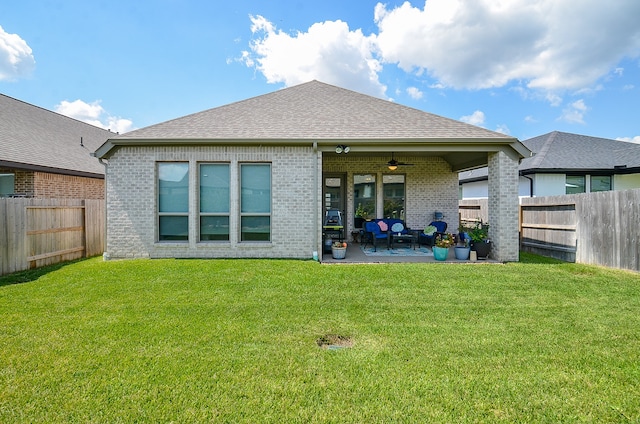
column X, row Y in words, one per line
column 47, row 155
column 566, row 163
column 254, row 178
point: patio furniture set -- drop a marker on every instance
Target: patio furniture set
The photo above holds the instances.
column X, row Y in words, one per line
column 393, row 231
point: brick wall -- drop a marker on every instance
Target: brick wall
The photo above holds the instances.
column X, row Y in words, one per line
column 131, row 204
column 22, row 181
column 503, row 207
column 67, row 186
column 296, row 193
column 55, row 186
column 430, row 186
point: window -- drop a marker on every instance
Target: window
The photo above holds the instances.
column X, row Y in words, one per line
column 214, row 202
column 575, row 184
column 173, row 201
column 600, row 183
column 393, row 196
column 364, row 195
column 7, row 183
column 255, row 202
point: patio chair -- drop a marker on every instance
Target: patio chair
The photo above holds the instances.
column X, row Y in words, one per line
column 430, row 239
column 373, row 234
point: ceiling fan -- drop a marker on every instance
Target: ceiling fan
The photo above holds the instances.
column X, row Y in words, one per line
column 394, row 164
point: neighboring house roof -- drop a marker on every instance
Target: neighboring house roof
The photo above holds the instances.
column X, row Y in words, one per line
column 573, row 152
column 566, row 152
column 313, row 111
column 37, row 139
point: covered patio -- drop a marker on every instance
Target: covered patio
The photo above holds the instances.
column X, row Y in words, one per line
column 355, row 255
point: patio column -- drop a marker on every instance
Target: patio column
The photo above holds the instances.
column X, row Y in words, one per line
column 503, row 207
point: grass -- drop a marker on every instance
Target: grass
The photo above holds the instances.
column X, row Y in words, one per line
column 236, row 341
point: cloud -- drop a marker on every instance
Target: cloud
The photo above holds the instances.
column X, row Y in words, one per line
column 328, row 51
column 574, row 114
column 544, row 47
column 476, row 44
column 635, row 139
column 94, row 114
column 414, row 93
column 476, row 118
column 503, row 129
column 16, row 57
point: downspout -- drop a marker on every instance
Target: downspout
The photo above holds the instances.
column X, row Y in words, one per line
column 105, row 255
column 530, row 185
column 316, row 253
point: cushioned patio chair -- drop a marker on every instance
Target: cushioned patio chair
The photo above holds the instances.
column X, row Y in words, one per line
column 430, row 239
column 374, row 235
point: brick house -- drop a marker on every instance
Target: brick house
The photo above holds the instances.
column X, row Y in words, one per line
column 254, row 178
column 47, row 155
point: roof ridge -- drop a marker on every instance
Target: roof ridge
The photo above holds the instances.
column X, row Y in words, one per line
column 541, row 154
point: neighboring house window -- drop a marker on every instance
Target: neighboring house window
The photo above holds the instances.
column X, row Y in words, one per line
column 7, row 184
column 600, row 183
column 575, row 184
column 173, row 201
column 393, row 196
column 255, row 202
column 364, row 194
column 214, row 202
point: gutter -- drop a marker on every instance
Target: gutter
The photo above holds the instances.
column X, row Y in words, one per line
column 105, row 255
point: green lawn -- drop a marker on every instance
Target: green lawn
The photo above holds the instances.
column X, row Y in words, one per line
column 236, row 341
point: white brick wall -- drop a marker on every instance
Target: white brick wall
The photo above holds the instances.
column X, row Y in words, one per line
column 132, row 217
column 503, row 207
column 296, row 194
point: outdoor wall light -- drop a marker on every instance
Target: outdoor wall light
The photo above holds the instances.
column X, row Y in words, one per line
column 341, row 148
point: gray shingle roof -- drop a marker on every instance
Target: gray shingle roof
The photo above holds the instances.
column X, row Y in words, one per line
column 313, row 111
column 560, row 151
column 566, row 151
column 34, row 137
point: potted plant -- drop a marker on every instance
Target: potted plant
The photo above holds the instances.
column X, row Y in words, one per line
column 360, row 216
column 339, row 250
column 462, row 248
column 442, row 245
column 480, row 242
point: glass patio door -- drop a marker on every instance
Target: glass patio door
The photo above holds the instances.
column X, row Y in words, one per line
column 334, row 193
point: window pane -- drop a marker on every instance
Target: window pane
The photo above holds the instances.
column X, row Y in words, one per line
column 393, row 189
column 255, row 228
column 214, row 188
column 174, row 228
column 364, row 195
column 600, row 183
column 173, row 187
column 575, row 184
column 7, row 182
column 332, row 193
column 214, row 228
column 255, row 188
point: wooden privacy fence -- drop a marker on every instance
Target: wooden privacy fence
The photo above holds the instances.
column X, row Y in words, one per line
column 593, row 228
column 472, row 211
column 37, row 232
